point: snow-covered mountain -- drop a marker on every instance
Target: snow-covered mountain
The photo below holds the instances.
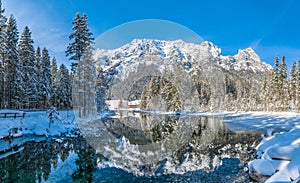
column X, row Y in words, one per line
column 179, row 51
column 196, row 74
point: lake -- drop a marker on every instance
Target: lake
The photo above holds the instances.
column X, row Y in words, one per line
column 130, row 147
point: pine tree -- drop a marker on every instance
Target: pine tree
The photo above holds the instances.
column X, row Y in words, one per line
column 13, row 76
column 101, row 87
column 275, row 82
column 283, row 83
column 64, row 88
column 54, row 83
column 38, row 72
column 27, row 56
column 265, row 91
column 3, row 26
column 38, row 57
column 84, row 93
column 81, row 39
column 293, row 84
column 45, row 76
column 1, row 85
column 298, row 86
column 2, row 52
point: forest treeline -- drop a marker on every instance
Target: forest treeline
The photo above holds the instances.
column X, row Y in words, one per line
column 29, row 78
column 277, row 90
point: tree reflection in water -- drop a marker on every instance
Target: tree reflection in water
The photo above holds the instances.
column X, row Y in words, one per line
column 155, row 147
column 36, row 161
column 164, row 144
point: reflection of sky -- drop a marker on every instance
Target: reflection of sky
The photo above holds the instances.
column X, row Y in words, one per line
column 145, row 29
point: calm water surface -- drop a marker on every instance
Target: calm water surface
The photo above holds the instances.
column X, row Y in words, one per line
column 138, row 148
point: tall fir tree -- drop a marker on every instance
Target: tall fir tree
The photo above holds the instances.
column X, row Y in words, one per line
column 37, row 67
column 3, row 26
column 54, row 83
column 13, row 77
column 283, row 83
column 2, row 100
column 274, row 88
column 265, row 92
column 38, row 57
column 64, row 88
column 101, row 88
column 298, row 86
column 81, row 39
column 293, row 84
column 2, row 51
column 45, row 79
column 84, row 93
column 27, row 57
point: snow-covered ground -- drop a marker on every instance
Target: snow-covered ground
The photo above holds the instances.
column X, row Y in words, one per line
column 38, row 123
column 278, row 158
column 260, row 121
column 278, row 153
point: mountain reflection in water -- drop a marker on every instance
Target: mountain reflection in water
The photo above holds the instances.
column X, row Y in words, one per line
column 139, row 148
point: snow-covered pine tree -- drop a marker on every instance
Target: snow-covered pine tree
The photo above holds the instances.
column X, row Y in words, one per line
column 283, row 85
column 1, row 86
column 54, row 83
column 53, row 70
column 3, row 20
column 13, row 77
column 45, row 79
column 38, row 71
column 64, row 88
column 101, row 88
column 293, row 85
column 274, row 85
column 38, row 58
column 3, row 26
column 298, row 86
column 265, row 93
column 81, row 39
column 27, row 57
column 84, row 94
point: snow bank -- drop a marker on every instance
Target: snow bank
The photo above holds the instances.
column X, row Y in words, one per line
column 261, row 121
column 37, row 123
column 278, row 158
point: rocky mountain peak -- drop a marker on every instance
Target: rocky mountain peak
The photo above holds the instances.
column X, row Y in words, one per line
column 214, row 50
column 247, row 54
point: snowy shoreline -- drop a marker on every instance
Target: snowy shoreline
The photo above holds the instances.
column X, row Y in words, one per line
column 37, row 123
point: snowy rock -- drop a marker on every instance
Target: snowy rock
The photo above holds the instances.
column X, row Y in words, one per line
column 280, row 158
column 284, row 152
column 281, row 176
column 263, row 167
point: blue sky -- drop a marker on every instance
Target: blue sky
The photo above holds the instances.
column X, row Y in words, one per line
column 270, row 27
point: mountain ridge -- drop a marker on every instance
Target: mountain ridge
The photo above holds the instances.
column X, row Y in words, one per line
column 245, row 60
